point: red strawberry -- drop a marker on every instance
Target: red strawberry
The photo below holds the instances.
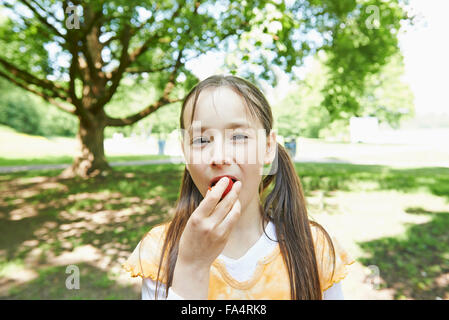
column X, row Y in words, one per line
column 228, row 188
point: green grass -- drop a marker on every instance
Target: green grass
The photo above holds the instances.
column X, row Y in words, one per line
column 19, row 149
column 412, row 263
column 43, row 216
column 94, row 284
column 69, row 160
column 329, row 177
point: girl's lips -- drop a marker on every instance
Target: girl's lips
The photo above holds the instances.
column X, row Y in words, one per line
column 216, row 179
column 232, row 179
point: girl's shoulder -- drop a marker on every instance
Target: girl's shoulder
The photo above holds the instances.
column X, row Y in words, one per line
column 144, row 260
column 156, row 232
column 154, row 238
column 328, row 251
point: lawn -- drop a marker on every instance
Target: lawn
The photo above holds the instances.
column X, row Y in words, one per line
column 61, row 150
column 69, row 159
column 394, row 219
column 41, row 150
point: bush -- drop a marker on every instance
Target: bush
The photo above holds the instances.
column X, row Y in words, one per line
column 20, row 114
column 27, row 113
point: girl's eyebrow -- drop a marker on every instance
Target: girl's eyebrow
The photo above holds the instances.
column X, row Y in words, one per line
column 230, row 125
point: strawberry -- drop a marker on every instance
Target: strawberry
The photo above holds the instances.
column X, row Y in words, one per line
column 228, row 188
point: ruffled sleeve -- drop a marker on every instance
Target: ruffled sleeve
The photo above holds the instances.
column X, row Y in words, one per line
column 144, row 260
column 324, row 258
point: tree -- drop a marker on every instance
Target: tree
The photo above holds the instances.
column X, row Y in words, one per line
column 300, row 113
column 74, row 54
column 165, row 121
column 303, row 111
column 387, row 96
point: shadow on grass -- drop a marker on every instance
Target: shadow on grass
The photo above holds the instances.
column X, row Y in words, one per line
column 347, row 177
column 94, row 284
column 49, row 216
column 41, row 213
column 416, row 264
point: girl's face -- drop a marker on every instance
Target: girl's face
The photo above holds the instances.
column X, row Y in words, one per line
column 224, row 139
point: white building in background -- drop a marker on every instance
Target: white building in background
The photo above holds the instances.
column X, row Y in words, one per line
column 173, row 144
column 364, row 129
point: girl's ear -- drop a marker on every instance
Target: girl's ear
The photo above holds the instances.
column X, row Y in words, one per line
column 270, row 153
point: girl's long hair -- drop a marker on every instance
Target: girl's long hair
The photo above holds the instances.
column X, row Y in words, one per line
column 284, row 205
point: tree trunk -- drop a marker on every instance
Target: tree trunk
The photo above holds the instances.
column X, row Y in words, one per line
column 90, row 159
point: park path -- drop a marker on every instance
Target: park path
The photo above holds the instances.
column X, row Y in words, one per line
column 178, row 160
column 8, row 169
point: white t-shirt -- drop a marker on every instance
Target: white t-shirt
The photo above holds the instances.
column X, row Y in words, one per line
column 240, row 269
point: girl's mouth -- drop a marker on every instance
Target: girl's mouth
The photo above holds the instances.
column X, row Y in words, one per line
column 216, row 179
column 232, row 180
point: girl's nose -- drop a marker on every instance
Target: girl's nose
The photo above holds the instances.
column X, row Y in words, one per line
column 219, row 156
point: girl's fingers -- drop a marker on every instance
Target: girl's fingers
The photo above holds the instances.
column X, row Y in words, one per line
column 213, row 196
column 230, row 219
column 225, row 205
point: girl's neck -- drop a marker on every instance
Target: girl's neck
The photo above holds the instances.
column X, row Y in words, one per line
column 246, row 232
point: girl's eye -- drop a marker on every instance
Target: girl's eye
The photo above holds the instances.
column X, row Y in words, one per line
column 199, row 141
column 239, row 137
column 236, row 137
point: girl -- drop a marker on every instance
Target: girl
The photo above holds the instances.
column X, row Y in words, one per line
column 253, row 242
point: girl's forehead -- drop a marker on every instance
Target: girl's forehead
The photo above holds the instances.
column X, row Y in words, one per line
column 217, row 107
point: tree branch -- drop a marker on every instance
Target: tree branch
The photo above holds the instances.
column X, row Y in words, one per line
column 163, row 100
column 96, row 19
column 115, row 122
column 127, row 59
column 142, row 49
column 139, row 51
column 58, row 91
column 107, row 42
column 116, row 74
column 147, row 70
column 42, row 18
column 30, row 23
column 73, row 40
column 73, row 71
column 41, row 94
column 46, row 11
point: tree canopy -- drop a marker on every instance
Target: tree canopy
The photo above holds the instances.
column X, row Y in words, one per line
column 303, row 111
column 75, row 54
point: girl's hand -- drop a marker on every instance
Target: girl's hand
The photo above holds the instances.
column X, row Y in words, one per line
column 204, row 237
column 207, row 230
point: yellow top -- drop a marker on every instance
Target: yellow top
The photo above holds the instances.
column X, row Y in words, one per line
column 267, row 282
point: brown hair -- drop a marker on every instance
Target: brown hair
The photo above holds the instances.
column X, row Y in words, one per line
column 284, row 205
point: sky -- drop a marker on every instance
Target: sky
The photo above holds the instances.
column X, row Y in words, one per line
column 425, row 47
column 426, row 56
